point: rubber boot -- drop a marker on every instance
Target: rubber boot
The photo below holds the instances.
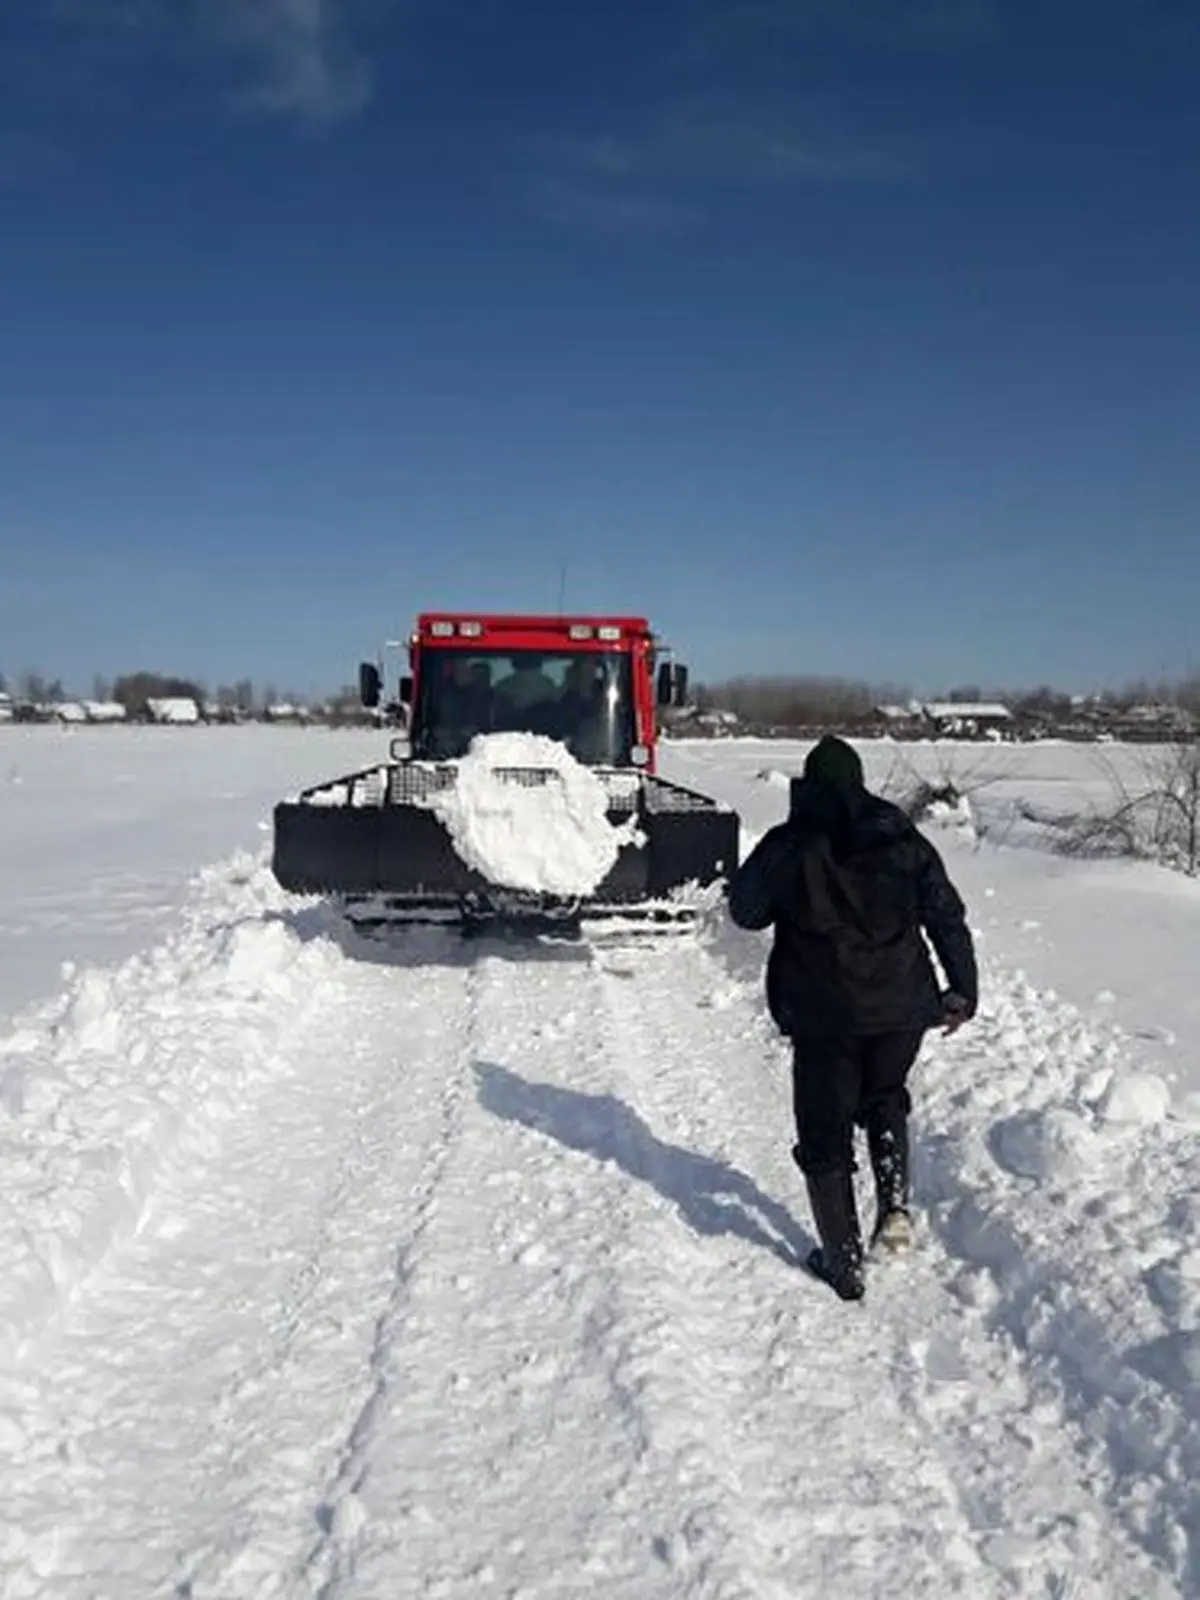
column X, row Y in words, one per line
column 888, row 1146
column 839, row 1261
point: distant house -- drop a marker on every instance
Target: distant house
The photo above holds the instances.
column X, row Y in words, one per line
column 226, row 715
column 104, row 711
column 68, row 711
column 1161, row 716
column 969, row 719
column 898, row 719
column 6, row 708
column 284, row 711
column 174, row 709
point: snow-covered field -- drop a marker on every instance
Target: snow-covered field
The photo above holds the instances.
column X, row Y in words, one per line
column 334, row 1269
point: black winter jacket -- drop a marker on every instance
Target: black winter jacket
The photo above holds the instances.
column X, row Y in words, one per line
column 848, row 883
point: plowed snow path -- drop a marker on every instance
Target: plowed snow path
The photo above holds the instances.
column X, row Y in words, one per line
column 201, row 1394
column 492, row 1288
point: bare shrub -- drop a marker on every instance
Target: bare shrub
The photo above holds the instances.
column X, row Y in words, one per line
column 917, row 792
column 1158, row 819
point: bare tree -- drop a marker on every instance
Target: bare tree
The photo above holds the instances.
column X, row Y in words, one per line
column 134, row 689
column 1043, row 702
column 346, row 708
column 955, row 777
column 793, row 702
column 1154, row 817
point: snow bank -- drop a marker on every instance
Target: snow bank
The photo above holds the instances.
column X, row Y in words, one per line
column 773, row 776
column 550, row 837
column 131, row 1066
column 1051, row 1168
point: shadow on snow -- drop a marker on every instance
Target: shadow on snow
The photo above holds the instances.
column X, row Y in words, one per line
column 713, row 1197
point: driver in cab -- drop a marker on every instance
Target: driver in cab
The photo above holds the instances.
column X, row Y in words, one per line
column 527, row 685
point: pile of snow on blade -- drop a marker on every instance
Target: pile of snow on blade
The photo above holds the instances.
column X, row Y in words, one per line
column 548, row 838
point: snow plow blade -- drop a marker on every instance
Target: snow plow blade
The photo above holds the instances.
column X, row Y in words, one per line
column 372, row 841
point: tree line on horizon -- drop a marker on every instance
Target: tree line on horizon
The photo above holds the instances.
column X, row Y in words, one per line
column 133, row 690
column 795, row 700
column 806, row 701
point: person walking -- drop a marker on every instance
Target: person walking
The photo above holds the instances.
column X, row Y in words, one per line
column 849, row 886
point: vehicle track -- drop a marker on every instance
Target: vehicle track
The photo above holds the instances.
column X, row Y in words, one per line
column 803, row 1467
column 494, row 1287
column 509, row 1457
column 225, row 1351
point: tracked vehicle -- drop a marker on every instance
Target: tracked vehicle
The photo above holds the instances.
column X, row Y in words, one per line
column 375, row 840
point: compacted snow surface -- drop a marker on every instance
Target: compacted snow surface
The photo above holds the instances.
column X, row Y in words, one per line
column 437, row 1268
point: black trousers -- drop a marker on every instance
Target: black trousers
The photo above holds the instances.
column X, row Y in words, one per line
column 840, row 1082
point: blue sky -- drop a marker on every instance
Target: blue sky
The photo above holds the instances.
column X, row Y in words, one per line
column 846, row 336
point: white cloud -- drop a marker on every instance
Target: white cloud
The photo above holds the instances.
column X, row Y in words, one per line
column 295, row 58
column 670, row 171
column 304, row 65
column 716, row 142
column 576, row 201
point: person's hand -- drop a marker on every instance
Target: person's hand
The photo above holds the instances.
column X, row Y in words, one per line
column 955, row 1011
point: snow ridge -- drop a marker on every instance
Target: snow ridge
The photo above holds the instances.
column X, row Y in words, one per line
column 1074, row 1239
column 100, row 1085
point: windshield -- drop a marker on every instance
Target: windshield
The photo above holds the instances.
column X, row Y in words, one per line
column 582, row 699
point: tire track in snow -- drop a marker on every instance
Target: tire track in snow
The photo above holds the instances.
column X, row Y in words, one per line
column 801, row 1468
column 474, row 1280
column 341, row 1515
column 199, row 1394
column 507, row 1459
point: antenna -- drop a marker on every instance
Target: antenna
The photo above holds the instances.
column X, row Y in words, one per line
column 562, row 587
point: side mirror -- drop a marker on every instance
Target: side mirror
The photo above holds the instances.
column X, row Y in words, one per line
column 406, row 691
column 672, row 684
column 369, row 684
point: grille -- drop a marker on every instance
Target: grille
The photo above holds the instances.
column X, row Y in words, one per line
column 662, row 796
column 416, row 783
